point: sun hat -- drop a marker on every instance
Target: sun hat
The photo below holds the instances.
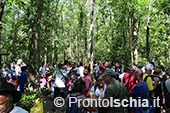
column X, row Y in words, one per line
column 109, row 72
column 9, row 88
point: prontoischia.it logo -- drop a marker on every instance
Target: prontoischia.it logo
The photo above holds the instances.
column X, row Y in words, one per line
column 59, row 102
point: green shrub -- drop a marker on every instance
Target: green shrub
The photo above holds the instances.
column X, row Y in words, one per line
column 28, row 98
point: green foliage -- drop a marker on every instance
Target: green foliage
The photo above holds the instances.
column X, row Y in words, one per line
column 63, row 26
column 28, row 98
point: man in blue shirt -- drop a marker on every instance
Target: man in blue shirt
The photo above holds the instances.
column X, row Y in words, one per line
column 22, row 79
column 140, row 91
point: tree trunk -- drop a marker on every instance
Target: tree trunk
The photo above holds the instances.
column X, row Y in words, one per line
column 129, row 32
column 34, row 38
column 85, row 37
column 1, row 14
column 53, row 35
column 91, row 36
column 147, row 34
column 53, row 52
column 45, row 56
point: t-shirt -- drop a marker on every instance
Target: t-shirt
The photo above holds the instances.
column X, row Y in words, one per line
column 149, row 82
column 121, row 76
column 43, row 82
column 60, row 76
column 42, row 69
column 81, row 71
column 18, row 110
column 140, row 90
column 88, row 81
column 97, row 91
column 17, row 70
column 22, row 81
column 116, row 90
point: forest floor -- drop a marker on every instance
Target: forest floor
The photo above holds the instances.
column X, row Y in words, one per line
column 48, row 104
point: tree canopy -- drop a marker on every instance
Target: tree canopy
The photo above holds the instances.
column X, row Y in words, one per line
column 130, row 31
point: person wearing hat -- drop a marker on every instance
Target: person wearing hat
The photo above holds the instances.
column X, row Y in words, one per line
column 153, row 61
column 8, row 97
column 115, row 89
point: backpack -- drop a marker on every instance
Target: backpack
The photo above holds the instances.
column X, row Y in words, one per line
column 129, row 81
column 95, row 87
column 73, row 108
column 166, row 94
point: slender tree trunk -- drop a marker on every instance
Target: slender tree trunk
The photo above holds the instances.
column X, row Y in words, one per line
column 76, row 56
column 45, row 56
column 1, row 14
column 91, row 36
column 53, row 52
column 85, row 37
column 53, row 35
column 147, row 34
column 129, row 32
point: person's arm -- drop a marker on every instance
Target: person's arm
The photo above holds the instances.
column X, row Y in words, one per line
column 87, row 83
column 156, row 83
column 91, row 108
column 91, row 91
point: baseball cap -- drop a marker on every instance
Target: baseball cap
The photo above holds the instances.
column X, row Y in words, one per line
column 152, row 58
column 109, row 72
column 140, row 66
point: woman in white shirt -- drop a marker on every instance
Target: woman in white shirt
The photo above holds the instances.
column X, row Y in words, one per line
column 98, row 90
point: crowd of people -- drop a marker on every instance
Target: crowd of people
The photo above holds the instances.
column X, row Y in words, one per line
column 109, row 79
column 73, row 79
column 12, row 85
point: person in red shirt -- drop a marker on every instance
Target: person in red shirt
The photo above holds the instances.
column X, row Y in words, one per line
column 129, row 80
column 87, row 80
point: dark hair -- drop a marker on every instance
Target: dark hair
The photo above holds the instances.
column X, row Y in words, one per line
column 60, row 65
column 117, row 62
column 157, row 71
column 102, row 69
column 81, row 63
column 79, row 86
column 162, row 67
column 86, row 67
column 126, row 70
column 65, row 62
column 23, row 68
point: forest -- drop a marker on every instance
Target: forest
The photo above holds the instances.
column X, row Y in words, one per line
column 128, row 31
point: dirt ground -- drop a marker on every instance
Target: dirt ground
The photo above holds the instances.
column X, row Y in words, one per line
column 48, row 104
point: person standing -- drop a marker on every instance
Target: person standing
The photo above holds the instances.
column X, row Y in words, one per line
column 114, row 89
column 42, row 70
column 60, row 88
column 139, row 91
column 22, row 79
column 87, row 79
